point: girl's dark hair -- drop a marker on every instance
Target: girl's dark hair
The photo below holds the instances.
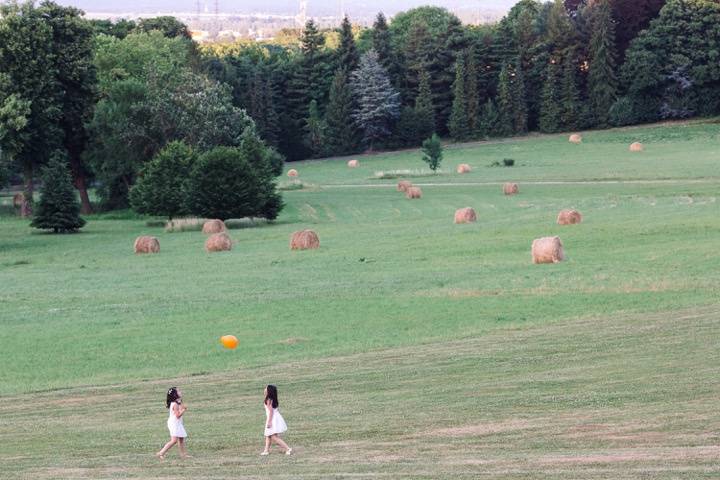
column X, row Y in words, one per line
column 272, row 396
column 172, row 395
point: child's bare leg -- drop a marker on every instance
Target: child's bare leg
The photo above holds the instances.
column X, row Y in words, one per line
column 181, row 446
column 280, row 442
column 267, row 444
column 168, row 446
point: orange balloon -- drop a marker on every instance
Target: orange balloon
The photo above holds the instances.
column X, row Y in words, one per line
column 229, row 341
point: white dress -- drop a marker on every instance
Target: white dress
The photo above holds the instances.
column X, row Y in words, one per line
column 278, row 424
column 175, row 425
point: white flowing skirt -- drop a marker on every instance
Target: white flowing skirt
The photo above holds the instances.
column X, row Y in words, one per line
column 176, row 427
column 278, row 425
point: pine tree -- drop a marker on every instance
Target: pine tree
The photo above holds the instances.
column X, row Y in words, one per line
column 560, row 30
column 519, row 100
column 472, row 95
column 340, row 131
column 550, row 110
column 505, row 103
column 347, row 54
column 381, row 41
column 570, row 108
column 458, row 122
column 489, row 120
column 432, row 150
column 315, row 130
column 58, row 209
column 378, row 103
column 424, row 110
column 602, row 82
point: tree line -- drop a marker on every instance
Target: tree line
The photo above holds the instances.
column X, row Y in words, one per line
column 110, row 97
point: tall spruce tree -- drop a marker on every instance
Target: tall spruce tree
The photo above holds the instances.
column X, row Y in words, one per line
column 378, row 103
column 472, row 94
column 347, row 53
column 550, row 108
column 424, row 110
column 58, row 209
column 602, row 80
column 458, row 122
column 340, row 129
column 570, row 109
column 381, row 43
column 519, row 99
column 505, row 103
column 315, row 130
column 489, row 120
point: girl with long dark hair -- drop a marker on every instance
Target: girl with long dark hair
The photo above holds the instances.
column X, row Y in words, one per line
column 274, row 422
column 174, row 404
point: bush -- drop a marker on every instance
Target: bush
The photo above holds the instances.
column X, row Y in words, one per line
column 58, row 209
column 508, row 162
column 224, row 184
column 162, row 185
column 432, row 152
column 622, row 112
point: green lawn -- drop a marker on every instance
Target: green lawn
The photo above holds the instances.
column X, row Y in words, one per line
column 404, row 346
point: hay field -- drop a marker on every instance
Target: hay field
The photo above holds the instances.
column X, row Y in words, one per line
column 406, row 346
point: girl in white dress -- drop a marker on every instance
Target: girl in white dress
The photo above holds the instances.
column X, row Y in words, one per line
column 274, row 422
column 178, row 434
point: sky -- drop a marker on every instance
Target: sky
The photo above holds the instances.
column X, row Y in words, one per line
column 315, row 7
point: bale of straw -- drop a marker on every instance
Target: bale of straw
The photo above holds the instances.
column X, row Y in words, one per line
column 465, row 215
column 292, row 173
column 18, row 200
column 511, row 188
column 213, row 226
column 403, row 185
column 353, row 164
column 575, row 138
column 569, row 217
column 413, row 192
column 218, row 242
column 146, row 244
column 463, row 168
column 304, row 240
column 547, row 250
column 636, row 147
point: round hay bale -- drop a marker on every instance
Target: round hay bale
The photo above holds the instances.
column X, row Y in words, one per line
column 292, row 173
column 511, row 188
column 637, row 147
column 575, row 138
column 218, row 242
column 146, row 244
column 403, row 185
column 213, row 226
column 413, row 192
column 463, row 168
column 569, row 217
column 353, row 164
column 18, row 200
column 304, row 240
column 547, row 250
column 465, row 215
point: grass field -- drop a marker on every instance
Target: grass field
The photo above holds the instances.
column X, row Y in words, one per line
column 406, row 346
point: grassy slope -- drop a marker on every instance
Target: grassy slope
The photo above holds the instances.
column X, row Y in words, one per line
column 395, row 283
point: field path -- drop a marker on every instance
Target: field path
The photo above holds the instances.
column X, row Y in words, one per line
column 670, row 181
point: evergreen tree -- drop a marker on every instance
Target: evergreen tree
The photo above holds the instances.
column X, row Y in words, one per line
column 519, row 100
column 58, row 209
column 340, row 129
column 432, row 152
column 424, row 110
column 381, row 43
column 472, row 94
column 550, row 109
column 570, row 109
column 378, row 103
column 489, row 120
column 458, row 122
column 315, row 130
column 505, row 103
column 347, row 54
column 602, row 81
column 561, row 32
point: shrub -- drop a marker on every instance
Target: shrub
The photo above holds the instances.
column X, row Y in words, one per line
column 58, row 209
column 432, row 152
column 622, row 112
column 508, row 162
column 224, row 184
column 162, row 186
